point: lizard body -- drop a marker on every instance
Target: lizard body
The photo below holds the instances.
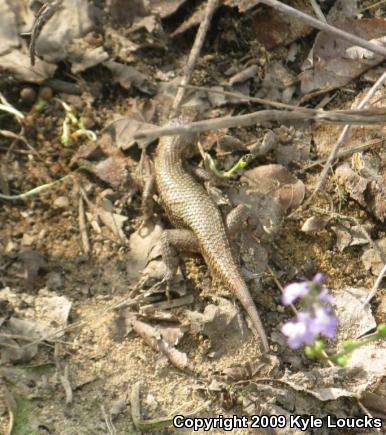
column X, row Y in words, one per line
column 189, row 207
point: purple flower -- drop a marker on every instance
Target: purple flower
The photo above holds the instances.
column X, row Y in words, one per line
column 316, row 317
column 298, row 331
column 293, row 291
column 319, row 278
column 324, row 296
column 323, row 322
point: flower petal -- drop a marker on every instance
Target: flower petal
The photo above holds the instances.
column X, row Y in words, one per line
column 293, row 291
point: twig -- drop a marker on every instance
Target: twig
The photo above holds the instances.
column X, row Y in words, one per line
column 343, row 137
column 167, row 305
column 83, row 227
column 243, row 97
column 345, row 152
column 373, row 116
column 20, row 136
column 11, row 405
column 318, row 11
column 152, row 338
column 375, row 286
column 280, row 287
column 325, row 27
column 44, row 14
column 195, row 51
column 63, row 376
column 66, row 385
column 107, row 418
column 372, row 6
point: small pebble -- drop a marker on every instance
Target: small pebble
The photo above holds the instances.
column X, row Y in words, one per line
column 28, row 240
column 54, row 281
column 45, row 93
column 28, row 95
column 61, row 202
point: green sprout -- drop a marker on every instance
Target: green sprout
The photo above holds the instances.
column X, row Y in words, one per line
column 5, row 106
column 71, row 119
column 36, row 190
column 241, row 164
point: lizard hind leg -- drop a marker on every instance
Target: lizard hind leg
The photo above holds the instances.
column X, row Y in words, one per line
column 235, row 219
column 172, row 243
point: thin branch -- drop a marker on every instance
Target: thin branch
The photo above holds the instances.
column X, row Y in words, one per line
column 346, row 152
column 243, row 97
column 195, row 51
column 83, row 226
column 375, row 286
column 318, row 11
column 373, row 116
column 313, row 22
column 44, row 14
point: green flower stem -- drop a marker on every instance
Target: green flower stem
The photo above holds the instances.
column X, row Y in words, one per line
column 316, row 350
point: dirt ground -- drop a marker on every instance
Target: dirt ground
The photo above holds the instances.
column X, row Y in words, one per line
column 81, row 381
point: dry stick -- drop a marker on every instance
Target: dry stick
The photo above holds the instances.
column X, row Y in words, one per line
column 44, row 14
column 313, row 22
column 372, row 6
column 345, row 153
column 83, row 227
column 375, row 286
column 247, row 98
column 195, row 51
column 342, row 138
column 280, row 287
column 318, row 11
column 373, row 116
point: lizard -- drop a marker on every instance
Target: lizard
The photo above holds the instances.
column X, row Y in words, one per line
column 200, row 225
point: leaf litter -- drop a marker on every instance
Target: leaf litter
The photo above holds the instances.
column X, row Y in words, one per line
column 197, row 330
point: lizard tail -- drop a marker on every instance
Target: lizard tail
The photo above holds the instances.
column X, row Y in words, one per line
column 240, row 290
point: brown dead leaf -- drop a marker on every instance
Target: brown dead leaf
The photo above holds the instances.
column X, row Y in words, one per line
column 165, row 8
column 128, row 77
column 19, row 65
column 314, row 224
column 371, row 259
column 377, row 197
column 355, row 320
column 34, row 263
column 113, row 171
column 336, row 62
column 274, row 28
column 367, row 187
column 277, row 182
column 122, row 131
column 123, row 15
column 350, row 235
column 141, row 244
column 278, row 83
column 354, row 184
column 221, row 323
column 113, row 221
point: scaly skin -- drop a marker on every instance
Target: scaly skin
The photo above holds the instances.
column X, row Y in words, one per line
column 188, row 206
